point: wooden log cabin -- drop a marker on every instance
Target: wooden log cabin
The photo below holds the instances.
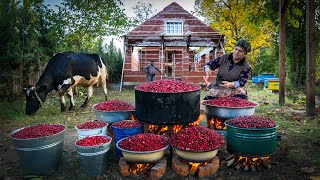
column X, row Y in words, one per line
column 170, row 39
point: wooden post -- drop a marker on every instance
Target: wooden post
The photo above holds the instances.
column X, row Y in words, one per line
column 310, row 43
column 124, row 59
column 282, row 60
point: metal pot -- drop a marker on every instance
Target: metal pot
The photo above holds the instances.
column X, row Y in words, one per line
column 251, row 142
column 39, row 155
column 193, row 156
column 223, row 113
column 167, row 108
column 142, row 156
column 82, row 133
column 112, row 116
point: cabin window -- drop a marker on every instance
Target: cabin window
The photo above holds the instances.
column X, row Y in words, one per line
column 174, row 28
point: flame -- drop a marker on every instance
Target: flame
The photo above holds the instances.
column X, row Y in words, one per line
column 157, row 129
column 132, row 117
column 247, row 161
column 138, row 168
column 217, row 124
column 194, row 167
column 177, row 128
column 197, row 122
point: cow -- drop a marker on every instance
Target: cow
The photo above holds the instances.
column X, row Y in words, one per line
column 63, row 72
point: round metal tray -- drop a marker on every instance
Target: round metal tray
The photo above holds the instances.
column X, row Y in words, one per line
column 142, row 156
column 195, row 156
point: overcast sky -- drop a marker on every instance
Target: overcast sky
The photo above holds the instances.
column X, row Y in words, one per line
column 158, row 5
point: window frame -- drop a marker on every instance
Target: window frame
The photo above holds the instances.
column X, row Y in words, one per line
column 171, row 28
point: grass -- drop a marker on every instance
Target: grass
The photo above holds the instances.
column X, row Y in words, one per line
column 300, row 145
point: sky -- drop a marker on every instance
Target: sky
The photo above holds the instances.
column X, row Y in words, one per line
column 158, row 5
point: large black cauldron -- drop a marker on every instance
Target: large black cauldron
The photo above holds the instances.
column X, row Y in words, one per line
column 167, row 108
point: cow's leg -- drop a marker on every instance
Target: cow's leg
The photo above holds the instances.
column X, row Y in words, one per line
column 104, row 86
column 72, row 104
column 90, row 92
column 62, row 103
column 103, row 81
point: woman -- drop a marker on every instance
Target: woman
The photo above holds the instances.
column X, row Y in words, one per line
column 234, row 71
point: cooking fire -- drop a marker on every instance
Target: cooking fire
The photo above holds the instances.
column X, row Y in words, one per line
column 215, row 123
column 201, row 169
column 148, row 170
column 252, row 164
column 166, row 130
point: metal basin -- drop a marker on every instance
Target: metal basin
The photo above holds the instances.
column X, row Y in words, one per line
column 39, row 155
column 112, row 116
column 223, row 113
column 193, row 156
column 142, row 156
column 82, row 133
column 167, row 108
column 251, row 142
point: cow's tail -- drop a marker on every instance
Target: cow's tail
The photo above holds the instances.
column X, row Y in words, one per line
column 104, row 73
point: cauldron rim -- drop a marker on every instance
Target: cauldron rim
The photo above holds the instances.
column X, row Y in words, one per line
column 199, row 88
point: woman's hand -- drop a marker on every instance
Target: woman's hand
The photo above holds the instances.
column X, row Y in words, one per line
column 226, row 84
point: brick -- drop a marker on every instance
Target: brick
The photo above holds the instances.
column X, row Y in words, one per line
column 124, row 168
column 214, row 168
column 184, row 174
column 207, row 171
column 215, row 160
column 177, row 164
column 122, row 161
column 201, row 171
column 125, row 173
column 155, row 172
column 184, row 168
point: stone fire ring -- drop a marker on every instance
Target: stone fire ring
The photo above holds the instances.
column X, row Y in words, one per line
column 142, row 156
column 197, row 157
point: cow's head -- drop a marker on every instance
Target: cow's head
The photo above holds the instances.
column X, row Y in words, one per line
column 35, row 96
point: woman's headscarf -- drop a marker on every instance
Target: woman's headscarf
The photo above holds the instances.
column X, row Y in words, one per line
column 244, row 44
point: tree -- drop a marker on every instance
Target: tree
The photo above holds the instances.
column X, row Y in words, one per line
column 112, row 58
column 86, row 21
column 239, row 18
column 143, row 11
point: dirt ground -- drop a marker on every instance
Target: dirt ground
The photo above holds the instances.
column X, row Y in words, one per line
column 69, row 167
column 289, row 165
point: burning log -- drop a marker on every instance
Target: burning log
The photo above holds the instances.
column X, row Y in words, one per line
column 266, row 164
column 231, row 161
column 248, row 163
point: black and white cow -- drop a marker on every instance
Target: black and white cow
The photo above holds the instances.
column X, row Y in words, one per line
column 64, row 71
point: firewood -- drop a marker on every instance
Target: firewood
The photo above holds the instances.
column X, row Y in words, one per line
column 229, row 157
column 253, row 168
column 246, row 167
column 266, row 164
column 273, row 162
column 230, row 162
column 238, row 166
column 258, row 167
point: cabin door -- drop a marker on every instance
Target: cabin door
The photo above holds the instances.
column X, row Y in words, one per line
column 169, row 64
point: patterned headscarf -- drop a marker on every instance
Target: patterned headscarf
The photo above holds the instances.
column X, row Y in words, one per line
column 244, row 44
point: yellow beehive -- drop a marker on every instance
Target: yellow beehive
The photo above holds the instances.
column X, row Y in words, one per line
column 273, row 85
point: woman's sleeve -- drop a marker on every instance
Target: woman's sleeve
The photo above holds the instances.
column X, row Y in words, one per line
column 244, row 76
column 212, row 65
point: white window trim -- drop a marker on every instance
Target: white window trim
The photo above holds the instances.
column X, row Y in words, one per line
column 166, row 27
